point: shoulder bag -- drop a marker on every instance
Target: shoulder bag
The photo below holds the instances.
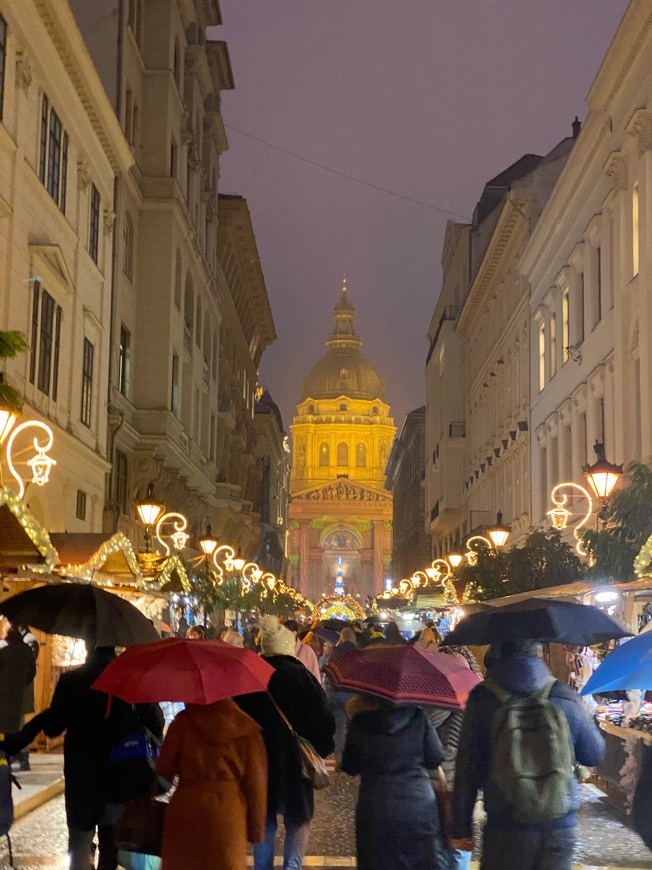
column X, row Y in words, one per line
column 313, row 767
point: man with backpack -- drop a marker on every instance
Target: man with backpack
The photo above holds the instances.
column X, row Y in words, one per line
column 523, row 734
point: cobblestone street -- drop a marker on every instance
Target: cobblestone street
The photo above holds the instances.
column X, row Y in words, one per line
column 39, row 840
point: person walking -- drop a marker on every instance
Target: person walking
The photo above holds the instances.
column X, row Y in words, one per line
column 93, row 723
column 17, row 672
column 393, row 636
column 519, row 725
column 393, row 749
column 220, row 802
column 306, row 654
column 301, row 698
column 337, row 698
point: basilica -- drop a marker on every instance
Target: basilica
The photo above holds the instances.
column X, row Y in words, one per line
column 340, row 512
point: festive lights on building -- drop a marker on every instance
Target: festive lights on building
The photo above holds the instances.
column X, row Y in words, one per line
column 35, row 532
column 40, row 464
column 560, row 513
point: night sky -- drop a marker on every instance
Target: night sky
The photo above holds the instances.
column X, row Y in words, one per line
column 428, row 98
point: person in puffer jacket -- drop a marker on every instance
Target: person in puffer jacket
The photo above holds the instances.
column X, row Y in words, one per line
column 508, row 845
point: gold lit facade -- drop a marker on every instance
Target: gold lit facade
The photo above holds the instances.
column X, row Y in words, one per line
column 341, row 513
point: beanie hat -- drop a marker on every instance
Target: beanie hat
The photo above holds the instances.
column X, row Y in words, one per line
column 276, row 639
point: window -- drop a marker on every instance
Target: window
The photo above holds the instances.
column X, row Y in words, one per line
column 3, row 58
column 45, row 340
column 198, row 323
column 94, row 230
column 177, row 280
column 553, row 345
column 128, row 246
column 124, row 361
column 597, row 287
column 361, row 456
column 188, row 313
column 120, row 488
column 342, row 454
column 53, row 155
column 87, row 383
column 565, row 324
column 343, row 406
column 211, row 441
column 542, row 356
column 635, row 231
column 80, row 511
column 580, row 308
column 173, row 159
column 174, row 392
column 176, row 64
column 129, row 106
column 324, row 456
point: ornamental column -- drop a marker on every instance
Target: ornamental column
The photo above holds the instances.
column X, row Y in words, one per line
column 304, row 557
column 378, row 557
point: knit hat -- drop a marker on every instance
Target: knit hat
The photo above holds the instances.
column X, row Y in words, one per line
column 276, row 639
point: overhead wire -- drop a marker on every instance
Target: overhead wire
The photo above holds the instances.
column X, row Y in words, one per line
column 346, row 175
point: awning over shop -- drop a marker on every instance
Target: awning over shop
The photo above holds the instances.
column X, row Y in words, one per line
column 578, row 589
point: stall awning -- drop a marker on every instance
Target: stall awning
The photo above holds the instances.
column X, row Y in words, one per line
column 85, row 554
column 24, row 543
column 573, row 590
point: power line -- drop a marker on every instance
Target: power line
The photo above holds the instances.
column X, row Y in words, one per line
column 345, row 174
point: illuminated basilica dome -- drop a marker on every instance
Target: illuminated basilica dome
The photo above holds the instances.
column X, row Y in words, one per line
column 343, row 370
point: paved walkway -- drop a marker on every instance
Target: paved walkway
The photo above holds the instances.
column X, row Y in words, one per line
column 43, row 782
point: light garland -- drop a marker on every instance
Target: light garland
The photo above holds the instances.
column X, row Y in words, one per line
column 560, row 515
column 34, row 530
column 331, row 604
column 179, row 536
column 118, row 543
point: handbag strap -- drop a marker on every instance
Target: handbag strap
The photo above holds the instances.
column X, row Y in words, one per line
column 282, row 714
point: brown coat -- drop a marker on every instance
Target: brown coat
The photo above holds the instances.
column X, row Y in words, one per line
column 221, row 799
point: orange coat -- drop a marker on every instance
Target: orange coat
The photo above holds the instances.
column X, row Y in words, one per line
column 221, row 798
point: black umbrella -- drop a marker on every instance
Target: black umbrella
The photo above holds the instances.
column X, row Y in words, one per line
column 71, row 609
column 537, row 619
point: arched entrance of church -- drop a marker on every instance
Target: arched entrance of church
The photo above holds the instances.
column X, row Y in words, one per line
column 341, row 566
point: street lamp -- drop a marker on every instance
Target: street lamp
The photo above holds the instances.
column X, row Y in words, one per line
column 208, row 543
column 498, row 532
column 149, row 510
column 455, row 559
column 602, row 476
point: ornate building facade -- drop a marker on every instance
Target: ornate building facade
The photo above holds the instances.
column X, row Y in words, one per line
column 340, row 512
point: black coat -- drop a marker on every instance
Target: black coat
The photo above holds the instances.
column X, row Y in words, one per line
column 303, row 701
column 93, row 724
column 396, row 817
column 17, row 670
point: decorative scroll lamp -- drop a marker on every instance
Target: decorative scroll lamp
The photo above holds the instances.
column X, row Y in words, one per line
column 40, row 464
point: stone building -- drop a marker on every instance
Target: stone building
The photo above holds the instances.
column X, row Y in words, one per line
column 62, row 149
column 477, row 381
column 340, row 512
column 404, row 479
column 589, row 266
column 273, row 461
column 190, row 314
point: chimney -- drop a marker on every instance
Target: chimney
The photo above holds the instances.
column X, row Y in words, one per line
column 577, row 126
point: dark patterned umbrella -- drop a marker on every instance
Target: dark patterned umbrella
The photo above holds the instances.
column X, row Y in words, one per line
column 72, row 609
column 404, row 675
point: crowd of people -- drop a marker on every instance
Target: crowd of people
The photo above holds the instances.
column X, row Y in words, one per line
column 238, row 767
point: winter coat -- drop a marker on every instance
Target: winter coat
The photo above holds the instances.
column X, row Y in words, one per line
column 642, row 802
column 221, row 799
column 303, row 701
column 519, row 675
column 17, row 670
column 448, row 725
column 308, row 658
column 392, row 749
column 93, row 724
column 28, row 695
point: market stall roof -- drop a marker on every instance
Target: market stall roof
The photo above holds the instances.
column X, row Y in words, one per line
column 573, row 590
column 83, row 554
column 23, row 541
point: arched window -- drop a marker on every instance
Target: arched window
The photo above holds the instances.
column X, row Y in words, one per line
column 361, row 456
column 343, row 406
column 188, row 312
column 128, row 246
column 198, row 323
column 214, row 358
column 342, row 453
column 207, row 345
column 324, row 455
column 177, row 280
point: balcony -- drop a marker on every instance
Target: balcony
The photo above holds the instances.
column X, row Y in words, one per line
column 457, row 429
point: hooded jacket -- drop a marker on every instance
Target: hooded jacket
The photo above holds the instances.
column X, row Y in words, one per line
column 221, row 799
column 392, row 749
column 522, row 675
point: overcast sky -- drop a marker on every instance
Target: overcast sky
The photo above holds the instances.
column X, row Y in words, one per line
column 427, row 98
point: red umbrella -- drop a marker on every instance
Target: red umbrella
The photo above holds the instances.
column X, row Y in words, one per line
column 192, row 671
column 405, row 675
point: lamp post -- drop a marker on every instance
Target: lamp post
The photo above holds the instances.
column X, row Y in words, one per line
column 149, row 511
column 602, row 477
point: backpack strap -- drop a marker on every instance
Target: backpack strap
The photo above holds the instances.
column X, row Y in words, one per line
column 545, row 691
column 502, row 694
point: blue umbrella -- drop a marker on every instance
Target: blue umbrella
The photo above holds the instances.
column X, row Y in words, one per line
column 627, row 667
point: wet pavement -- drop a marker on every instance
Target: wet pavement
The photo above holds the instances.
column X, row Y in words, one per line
column 604, row 841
